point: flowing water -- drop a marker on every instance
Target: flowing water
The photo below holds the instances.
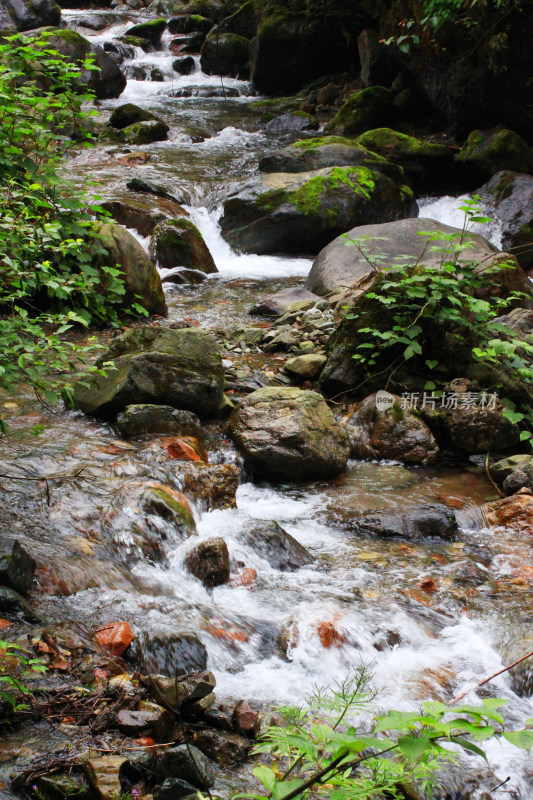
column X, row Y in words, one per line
column 430, row 619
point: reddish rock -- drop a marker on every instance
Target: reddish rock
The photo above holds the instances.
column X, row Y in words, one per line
column 428, row 585
column 186, row 448
column 245, row 718
column 115, row 637
column 4, row 624
column 246, row 577
column 515, row 512
column 145, row 741
column 331, row 636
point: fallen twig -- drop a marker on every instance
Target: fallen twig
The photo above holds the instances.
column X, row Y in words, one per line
column 491, row 677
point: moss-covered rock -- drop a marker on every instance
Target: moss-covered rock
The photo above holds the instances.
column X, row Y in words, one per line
column 142, row 214
column 136, row 41
column 107, row 81
column 364, row 110
column 424, row 163
column 152, row 30
column 487, row 152
column 128, row 114
column 243, row 22
column 283, row 213
column 225, row 54
column 327, row 151
column 177, row 367
column 188, row 23
column 144, row 132
column 185, row 65
column 142, row 419
column 289, row 434
column 143, row 284
column 178, row 243
column 511, row 195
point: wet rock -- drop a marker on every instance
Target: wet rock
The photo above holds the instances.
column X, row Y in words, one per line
column 107, row 81
column 279, row 548
column 245, row 718
column 186, row 448
column 511, row 195
column 179, row 243
column 213, row 485
column 11, row 601
column 521, row 676
column 326, row 151
column 225, row 54
column 118, row 51
column 139, row 420
column 277, row 304
column 142, row 281
column 423, row 162
column 60, row 785
column 170, row 505
column 515, row 513
column 363, row 111
column 300, row 213
column 209, row 562
column 520, row 322
column 293, row 122
column 128, row 114
column 306, row 367
column 378, row 66
column 156, row 722
column 473, row 429
column 289, row 434
column 341, row 265
column 182, row 692
column 145, row 132
column 189, row 23
column 188, row 763
column 25, row 16
column 513, row 473
column 487, row 152
column 104, row 775
column 141, row 215
column 178, row 367
column 148, row 187
column 175, row 653
column 280, row 341
column 115, row 637
column 184, row 65
column 151, row 30
column 224, row 748
column 422, row 522
column 389, row 431
column 174, row 789
column 17, row 567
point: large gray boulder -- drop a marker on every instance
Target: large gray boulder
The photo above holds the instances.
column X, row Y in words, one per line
column 340, row 264
column 289, row 434
column 511, row 195
column 300, row 213
column 107, row 81
column 181, row 368
column 177, row 243
column 25, row 15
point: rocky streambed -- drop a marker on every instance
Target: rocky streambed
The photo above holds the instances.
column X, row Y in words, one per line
column 243, row 556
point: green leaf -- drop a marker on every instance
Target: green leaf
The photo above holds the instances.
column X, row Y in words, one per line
column 267, row 777
column 522, row 739
column 413, row 746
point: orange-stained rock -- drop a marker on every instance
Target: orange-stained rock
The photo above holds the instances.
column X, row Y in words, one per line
column 115, row 637
column 222, row 633
column 179, row 496
column 245, row 717
column 515, row 512
column 100, row 674
column 185, row 448
column 331, row 636
column 145, row 741
column 428, row 585
column 244, row 578
column 58, row 662
column 4, row 624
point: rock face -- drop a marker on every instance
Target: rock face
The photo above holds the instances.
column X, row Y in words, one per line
column 209, row 562
column 279, row 548
column 226, row 54
column 423, row 162
column 430, row 521
column 364, row 110
column 106, row 82
column 389, row 432
column 181, row 368
column 487, row 152
column 326, row 151
column 139, row 420
column 340, row 264
column 280, row 213
column 511, row 194
column 25, row 16
column 179, row 243
column 289, row 434
column 143, row 284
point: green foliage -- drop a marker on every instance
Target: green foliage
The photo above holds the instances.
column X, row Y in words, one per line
column 10, row 686
column 48, row 244
column 320, row 747
column 436, row 317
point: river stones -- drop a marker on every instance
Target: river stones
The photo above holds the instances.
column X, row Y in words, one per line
column 277, row 304
column 511, row 196
column 188, row 763
column 515, row 513
column 25, row 15
column 107, row 81
column 289, row 434
column 211, row 485
column 293, row 122
column 513, row 473
column 17, row 566
column 209, row 562
column 364, row 110
column 141, row 419
column 300, row 213
column 152, row 30
column 427, row 521
column 128, row 114
column 184, row 65
column 279, row 548
column 177, row 367
column 305, row 367
column 224, row 748
column 225, row 54
column 423, row 162
column 387, row 430
column 189, row 23
column 177, row 243
column 473, row 428
column 171, row 653
column 487, row 152
column 142, row 281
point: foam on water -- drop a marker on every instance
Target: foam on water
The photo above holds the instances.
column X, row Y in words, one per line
column 447, row 210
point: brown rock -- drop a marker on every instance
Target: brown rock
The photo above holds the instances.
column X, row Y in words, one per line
column 103, row 775
column 224, row 748
column 245, row 718
column 213, row 485
column 115, row 637
column 209, row 562
column 514, row 512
